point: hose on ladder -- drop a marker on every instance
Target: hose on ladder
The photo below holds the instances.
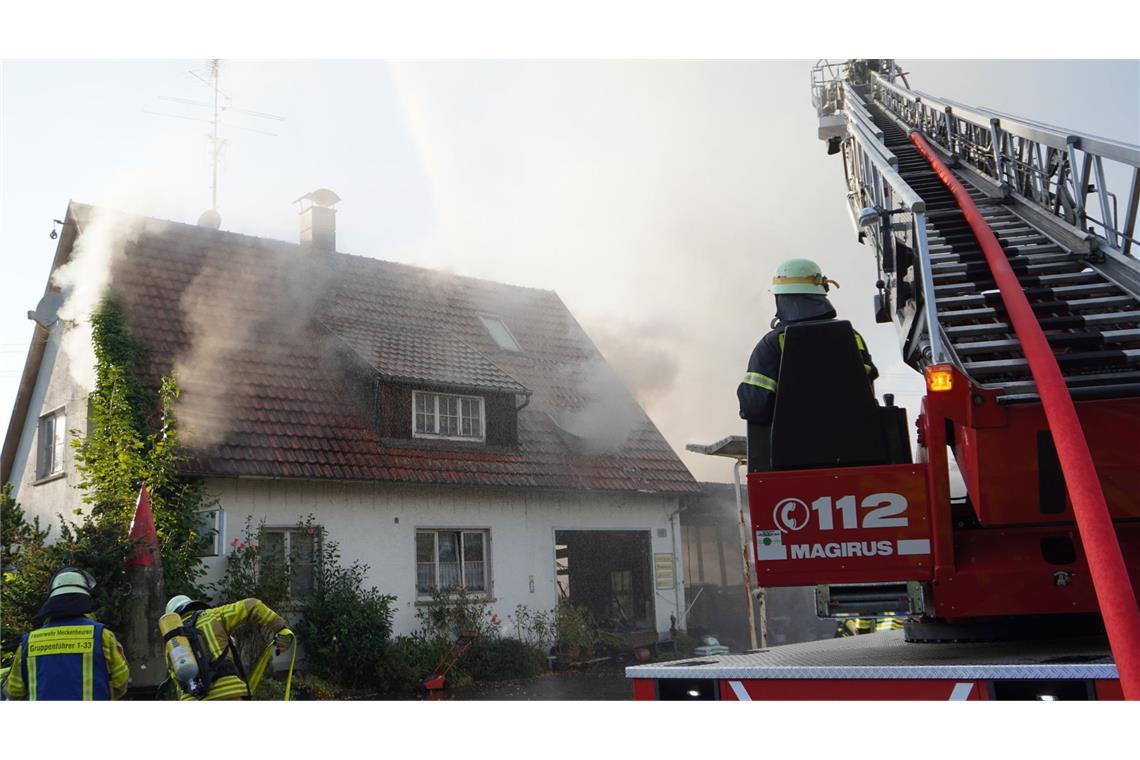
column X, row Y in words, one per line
column 1113, row 588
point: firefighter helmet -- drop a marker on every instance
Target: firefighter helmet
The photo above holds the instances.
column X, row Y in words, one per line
column 800, row 276
column 71, row 580
column 183, row 603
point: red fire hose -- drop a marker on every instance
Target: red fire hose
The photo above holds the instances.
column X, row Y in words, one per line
column 1109, row 575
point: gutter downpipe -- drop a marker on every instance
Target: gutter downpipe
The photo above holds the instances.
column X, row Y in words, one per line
column 1115, row 596
column 682, row 614
column 745, row 546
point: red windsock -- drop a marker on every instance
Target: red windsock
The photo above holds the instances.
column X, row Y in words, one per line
column 143, row 534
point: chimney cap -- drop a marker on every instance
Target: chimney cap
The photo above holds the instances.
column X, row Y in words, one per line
column 322, row 197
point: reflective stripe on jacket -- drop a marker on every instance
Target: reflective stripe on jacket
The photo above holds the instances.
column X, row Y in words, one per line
column 889, row 622
column 214, row 627
column 854, row 627
column 71, row 658
column 757, row 390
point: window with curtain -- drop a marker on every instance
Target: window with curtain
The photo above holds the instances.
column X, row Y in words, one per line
column 448, row 559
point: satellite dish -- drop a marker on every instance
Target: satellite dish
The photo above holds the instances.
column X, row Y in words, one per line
column 47, row 310
column 210, row 219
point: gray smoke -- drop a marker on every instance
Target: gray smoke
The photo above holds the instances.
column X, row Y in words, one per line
column 646, row 356
column 602, row 415
column 84, row 280
column 155, row 183
column 243, row 313
column 646, row 194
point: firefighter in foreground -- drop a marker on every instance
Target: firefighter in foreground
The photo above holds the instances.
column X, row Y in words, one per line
column 202, row 657
column 69, row 656
column 801, row 296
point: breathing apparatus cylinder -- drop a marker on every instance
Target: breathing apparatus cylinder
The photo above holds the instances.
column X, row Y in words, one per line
column 179, row 654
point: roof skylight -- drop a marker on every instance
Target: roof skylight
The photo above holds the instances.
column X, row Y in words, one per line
column 499, row 332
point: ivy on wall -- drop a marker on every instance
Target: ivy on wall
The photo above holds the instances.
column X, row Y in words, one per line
column 132, row 438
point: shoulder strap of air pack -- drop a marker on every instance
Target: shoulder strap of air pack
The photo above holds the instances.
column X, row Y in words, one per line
column 201, row 653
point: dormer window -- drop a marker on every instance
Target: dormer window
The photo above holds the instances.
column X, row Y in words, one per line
column 446, row 415
column 499, row 333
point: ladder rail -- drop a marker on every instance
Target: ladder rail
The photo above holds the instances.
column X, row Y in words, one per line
column 876, row 176
column 917, row 235
column 1054, row 168
column 1068, row 287
column 1111, row 581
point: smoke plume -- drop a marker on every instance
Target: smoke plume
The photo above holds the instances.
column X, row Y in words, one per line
column 84, row 280
column 647, row 195
column 260, row 302
column 601, row 414
column 151, row 186
column 646, row 356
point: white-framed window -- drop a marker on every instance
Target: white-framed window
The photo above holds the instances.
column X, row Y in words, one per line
column 211, row 529
column 447, row 559
column 446, row 415
column 301, row 547
column 52, row 436
column 500, row 333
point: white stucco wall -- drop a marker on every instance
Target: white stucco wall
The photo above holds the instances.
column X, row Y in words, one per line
column 54, row 388
column 376, row 524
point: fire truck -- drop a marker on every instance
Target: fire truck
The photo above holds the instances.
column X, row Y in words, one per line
column 1006, row 255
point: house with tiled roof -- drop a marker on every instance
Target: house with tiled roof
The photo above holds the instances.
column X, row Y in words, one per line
column 445, row 430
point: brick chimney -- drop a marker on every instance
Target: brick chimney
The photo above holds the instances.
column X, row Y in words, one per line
column 318, row 221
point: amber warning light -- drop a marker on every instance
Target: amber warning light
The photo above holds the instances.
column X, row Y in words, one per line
column 939, row 377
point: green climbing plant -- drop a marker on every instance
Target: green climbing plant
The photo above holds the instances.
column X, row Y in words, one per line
column 24, row 570
column 132, row 438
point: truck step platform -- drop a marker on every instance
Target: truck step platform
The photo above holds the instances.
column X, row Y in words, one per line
column 885, row 666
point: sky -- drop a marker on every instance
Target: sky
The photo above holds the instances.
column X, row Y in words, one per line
column 654, row 197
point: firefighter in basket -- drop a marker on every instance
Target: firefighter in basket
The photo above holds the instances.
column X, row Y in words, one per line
column 801, row 296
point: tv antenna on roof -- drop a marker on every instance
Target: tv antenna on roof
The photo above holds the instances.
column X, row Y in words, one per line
column 221, row 104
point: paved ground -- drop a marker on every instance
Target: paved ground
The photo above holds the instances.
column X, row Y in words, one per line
column 607, row 683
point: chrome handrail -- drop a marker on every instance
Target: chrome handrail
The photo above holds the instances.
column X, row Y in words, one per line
column 875, row 167
column 1054, row 168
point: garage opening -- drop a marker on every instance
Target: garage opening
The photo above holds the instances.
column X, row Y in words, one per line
column 608, row 572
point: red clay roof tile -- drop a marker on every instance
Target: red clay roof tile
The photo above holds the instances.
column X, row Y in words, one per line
column 258, row 332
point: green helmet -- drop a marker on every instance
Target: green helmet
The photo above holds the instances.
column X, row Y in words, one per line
column 71, row 580
column 183, row 603
column 800, row 276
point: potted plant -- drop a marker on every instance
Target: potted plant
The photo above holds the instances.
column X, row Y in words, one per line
column 573, row 634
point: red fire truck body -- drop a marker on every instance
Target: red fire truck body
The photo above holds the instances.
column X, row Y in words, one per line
column 884, row 666
column 1001, row 596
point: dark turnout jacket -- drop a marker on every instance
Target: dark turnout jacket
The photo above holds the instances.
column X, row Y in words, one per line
column 757, row 391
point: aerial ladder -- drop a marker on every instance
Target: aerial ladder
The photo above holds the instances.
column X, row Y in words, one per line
column 1006, row 258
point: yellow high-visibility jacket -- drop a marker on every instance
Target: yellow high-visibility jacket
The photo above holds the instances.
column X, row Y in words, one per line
column 214, row 627
column 889, row 622
column 118, row 672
